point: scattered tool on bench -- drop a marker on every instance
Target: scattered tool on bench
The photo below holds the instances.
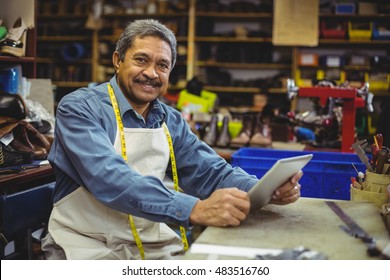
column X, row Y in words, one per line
column 374, row 247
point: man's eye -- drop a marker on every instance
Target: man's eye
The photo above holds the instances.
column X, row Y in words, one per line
column 164, row 66
column 140, row 59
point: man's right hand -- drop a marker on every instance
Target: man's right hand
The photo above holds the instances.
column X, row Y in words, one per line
column 225, row 207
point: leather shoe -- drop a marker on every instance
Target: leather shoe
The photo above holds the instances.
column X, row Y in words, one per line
column 261, row 134
column 12, row 105
column 245, row 134
column 10, row 157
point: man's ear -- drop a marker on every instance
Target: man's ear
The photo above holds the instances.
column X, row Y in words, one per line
column 116, row 61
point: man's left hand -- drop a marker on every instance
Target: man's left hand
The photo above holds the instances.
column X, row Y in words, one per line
column 289, row 192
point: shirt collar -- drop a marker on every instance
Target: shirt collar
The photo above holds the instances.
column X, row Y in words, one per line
column 156, row 113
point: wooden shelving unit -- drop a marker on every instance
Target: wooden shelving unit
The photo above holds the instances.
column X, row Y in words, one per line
column 28, row 61
column 186, row 23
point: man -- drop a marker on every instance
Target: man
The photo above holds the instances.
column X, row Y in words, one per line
column 112, row 151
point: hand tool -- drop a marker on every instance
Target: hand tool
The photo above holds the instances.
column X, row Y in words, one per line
column 360, row 175
column 296, row 253
column 367, row 96
column 374, row 247
column 379, row 140
column 382, row 159
column 374, row 154
column 358, row 147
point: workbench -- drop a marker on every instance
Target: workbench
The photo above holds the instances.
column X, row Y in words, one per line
column 25, row 205
column 309, row 222
column 26, row 179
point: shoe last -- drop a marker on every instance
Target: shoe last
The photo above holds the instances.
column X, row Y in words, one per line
column 224, row 137
column 211, row 135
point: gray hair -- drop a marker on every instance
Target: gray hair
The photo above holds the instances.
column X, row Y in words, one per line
column 142, row 28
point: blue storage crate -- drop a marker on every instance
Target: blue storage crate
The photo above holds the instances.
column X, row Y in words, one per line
column 345, row 9
column 327, row 175
column 381, row 31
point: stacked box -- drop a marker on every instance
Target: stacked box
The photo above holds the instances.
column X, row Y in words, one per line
column 327, row 175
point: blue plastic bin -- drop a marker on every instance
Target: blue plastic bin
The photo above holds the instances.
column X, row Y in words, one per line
column 327, row 175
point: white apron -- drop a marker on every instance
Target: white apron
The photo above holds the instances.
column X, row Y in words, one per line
column 86, row 229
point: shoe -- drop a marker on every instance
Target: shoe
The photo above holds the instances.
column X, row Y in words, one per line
column 224, row 138
column 211, row 135
column 26, row 138
column 40, row 143
column 14, row 43
column 13, row 106
column 245, row 134
column 3, row 31
column 10, row 157
column 261, row 134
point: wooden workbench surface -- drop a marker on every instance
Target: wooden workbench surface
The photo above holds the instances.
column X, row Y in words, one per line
column 309, row 223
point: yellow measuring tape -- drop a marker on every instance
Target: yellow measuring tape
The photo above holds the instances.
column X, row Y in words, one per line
column 133, row 228
column 175, row 180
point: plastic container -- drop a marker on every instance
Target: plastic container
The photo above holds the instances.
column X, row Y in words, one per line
column 304, row 77
column 11, row 79
column 378, row 80
column 345, row 9
column 327, row 175
column 360, row 31
column 332, row 60
column 381, row 31
column 333, row 29
column 308, row 59
column 203, row 103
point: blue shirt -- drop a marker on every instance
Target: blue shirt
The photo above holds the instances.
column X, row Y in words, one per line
column 83, row 154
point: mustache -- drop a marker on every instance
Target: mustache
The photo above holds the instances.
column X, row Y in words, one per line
column 147, row 81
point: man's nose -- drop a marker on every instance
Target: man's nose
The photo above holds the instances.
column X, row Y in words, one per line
column 150, row 71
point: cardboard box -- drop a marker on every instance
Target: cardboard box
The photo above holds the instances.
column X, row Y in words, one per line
column 367, row 8
column 295, row 23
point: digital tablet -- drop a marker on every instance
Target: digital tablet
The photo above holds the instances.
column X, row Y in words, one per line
column 283, row 169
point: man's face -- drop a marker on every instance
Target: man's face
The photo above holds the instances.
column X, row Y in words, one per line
column 144, row 74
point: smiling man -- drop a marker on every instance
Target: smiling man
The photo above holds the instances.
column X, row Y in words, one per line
column 113, row 146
